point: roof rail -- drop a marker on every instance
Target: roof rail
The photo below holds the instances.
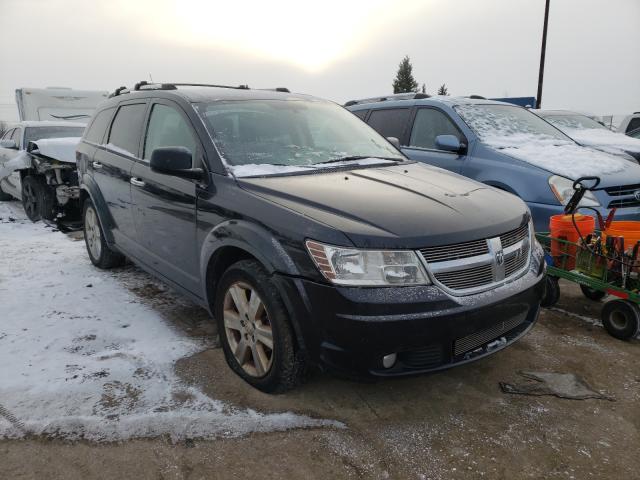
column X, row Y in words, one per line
column 477, row 97
column 395, row 96
column 144, row 85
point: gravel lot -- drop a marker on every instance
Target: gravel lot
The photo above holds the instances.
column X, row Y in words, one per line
column 454, row 424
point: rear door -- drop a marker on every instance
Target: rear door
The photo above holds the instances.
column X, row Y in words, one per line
column 428, row 123
column 111, row 169
column 164, row 205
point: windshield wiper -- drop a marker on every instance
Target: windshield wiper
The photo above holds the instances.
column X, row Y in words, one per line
column 352, row 158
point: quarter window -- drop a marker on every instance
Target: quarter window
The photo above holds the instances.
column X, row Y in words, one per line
column 126, row 128
column 361, row 113
column 17, row 133
column 389, row 122
column 633, row 124
column 8, row 134
column 430, row 123
column 99, row 125
column 167, row 128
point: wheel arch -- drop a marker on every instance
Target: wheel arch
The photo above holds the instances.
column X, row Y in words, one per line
column 90, row 190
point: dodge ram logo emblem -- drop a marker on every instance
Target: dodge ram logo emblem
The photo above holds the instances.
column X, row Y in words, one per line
column 636, row 194
column 499, row 257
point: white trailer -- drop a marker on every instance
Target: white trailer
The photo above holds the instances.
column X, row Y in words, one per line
column 58, row 103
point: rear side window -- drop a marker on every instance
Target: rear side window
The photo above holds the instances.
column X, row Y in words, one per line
column 167, row 128
column 361, row 113
column 389, row 122
column 430, row 123
column 98, row 127
column 7, row 134
column 16, row 136
column 126, row 128
column 633, row 124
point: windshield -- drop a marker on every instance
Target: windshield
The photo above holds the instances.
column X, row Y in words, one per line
column 578, row 122
column 290, row 133
column 38, row 133
column 494, row 122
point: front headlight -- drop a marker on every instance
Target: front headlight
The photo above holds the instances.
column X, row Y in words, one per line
column 562, row 188
column 350, row 266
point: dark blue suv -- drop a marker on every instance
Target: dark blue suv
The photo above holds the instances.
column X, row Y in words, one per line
column 505, row 146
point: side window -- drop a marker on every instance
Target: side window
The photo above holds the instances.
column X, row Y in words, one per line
column 389, row 122
column 361, row 113
column 126, row 128
column 167, row 128
column 96, row 131
column 7, row 135
column 430, row 123
column 633, row 124
column 17, row 136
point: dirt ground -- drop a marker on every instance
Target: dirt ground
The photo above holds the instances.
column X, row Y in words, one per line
column 449, row 425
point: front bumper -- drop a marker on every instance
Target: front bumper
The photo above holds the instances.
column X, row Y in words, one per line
column 349, row 330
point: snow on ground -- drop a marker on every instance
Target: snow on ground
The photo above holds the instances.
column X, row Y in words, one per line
column 83, row 358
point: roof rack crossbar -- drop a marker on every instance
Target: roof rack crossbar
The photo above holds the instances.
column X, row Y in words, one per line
column 395, row 96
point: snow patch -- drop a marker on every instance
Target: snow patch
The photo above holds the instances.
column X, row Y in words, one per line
column 62, row 149
column 256, row 170
column 600, row 137
column 83, row 358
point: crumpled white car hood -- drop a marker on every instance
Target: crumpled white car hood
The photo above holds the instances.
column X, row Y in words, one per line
column 62, row 149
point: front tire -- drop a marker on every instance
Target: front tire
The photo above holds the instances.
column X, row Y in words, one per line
column 100, row 254
column 256, row 335
column 551, row 292
column 37, row 199
column 592, row 294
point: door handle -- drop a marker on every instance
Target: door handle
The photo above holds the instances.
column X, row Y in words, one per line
column 97, row 165
column 137, row 182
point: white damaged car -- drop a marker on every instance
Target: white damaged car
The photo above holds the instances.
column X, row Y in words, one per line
column 38, row 167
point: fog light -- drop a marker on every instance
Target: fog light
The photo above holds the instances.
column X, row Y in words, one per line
column 389, row 361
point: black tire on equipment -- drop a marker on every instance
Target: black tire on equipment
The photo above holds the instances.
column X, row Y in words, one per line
column 591, row 294
column 621, row 318
column 551, row 292
column 108, row 258
column 37, row 198
column 289, row 364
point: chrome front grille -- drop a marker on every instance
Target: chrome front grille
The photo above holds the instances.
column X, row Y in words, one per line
column 471, row 267
column 624, row 196
column 475, row 340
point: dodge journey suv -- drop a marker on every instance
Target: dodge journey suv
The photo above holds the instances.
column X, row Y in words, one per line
column 308, row 236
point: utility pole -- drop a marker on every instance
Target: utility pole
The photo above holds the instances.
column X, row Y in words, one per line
column 542, row 52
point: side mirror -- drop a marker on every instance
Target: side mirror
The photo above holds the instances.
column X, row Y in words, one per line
column 394, row 141
column 176, row 161
column 8, row 144
column 449, row 143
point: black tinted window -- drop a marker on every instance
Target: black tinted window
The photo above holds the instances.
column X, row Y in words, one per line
column 389, row 122
column 633, row 124
column 167, row 128
column 99, row 126
column 361, row 113
column 430, row 123
column 126, row 128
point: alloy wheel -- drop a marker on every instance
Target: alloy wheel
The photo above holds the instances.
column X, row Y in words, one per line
column 30, row 201
column 248, row 329
column 92, row 233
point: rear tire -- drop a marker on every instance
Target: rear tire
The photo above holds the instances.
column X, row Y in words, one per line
column 551, row 292
column 621, row 319
column 251, row 316
column 37, row 199
column 591, row 294
column 100, row 254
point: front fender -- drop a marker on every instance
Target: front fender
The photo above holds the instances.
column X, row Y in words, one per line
column 88, row 184
column 252, row 238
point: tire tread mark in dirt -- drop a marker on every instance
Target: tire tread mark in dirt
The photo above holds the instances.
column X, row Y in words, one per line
column 12, row 419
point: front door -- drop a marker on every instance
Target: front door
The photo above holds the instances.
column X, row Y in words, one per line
column 164, row 205
column 111, row 169
column 427, row 125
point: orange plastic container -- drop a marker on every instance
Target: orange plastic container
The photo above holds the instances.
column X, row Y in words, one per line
column 630, row 230
column 562, row 227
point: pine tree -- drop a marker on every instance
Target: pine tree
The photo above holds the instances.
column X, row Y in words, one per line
column 443, row 90
column 404, row 81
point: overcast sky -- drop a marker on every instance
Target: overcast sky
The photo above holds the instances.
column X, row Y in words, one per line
column 337, row 49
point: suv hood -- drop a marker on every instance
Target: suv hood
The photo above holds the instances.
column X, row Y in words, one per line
column 400, row 206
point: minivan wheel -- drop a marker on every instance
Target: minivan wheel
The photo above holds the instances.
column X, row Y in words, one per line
column 99, row 252
column 255, row 333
